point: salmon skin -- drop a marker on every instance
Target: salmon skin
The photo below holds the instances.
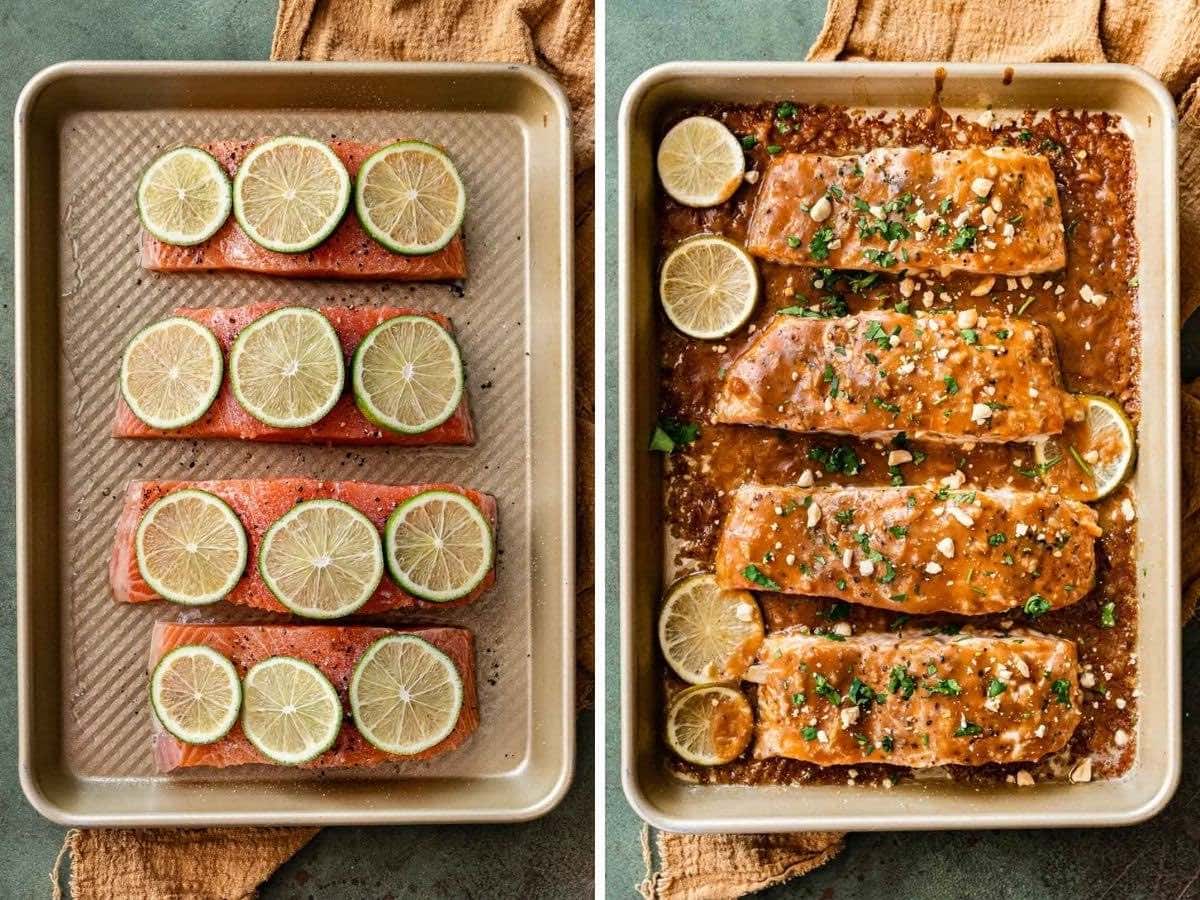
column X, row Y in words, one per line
column 991, row 210
column 345, row 424
column 915, row 699
column 335, row 650
column 348, row 253
column 950, row 378
column 914, row 550
column 259, row 503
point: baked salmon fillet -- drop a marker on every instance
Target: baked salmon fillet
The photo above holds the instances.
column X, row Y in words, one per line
column 991, row 210
column 915, row 700
column 334, row 650
column 345, row 423
column 952, row 377
column 259, row 503
column 911, row 549
column 347, row 253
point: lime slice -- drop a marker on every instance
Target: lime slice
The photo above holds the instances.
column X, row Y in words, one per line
column 708, row 287
column 286, row 369
column 171, row 373
column 407, row 375
column 290, row 193
column 196, row 694
column 700, row 162
column 1095, row 452
column 405, row 694
column 191, row 547
column 409, row 197
column 184, row 197
column 322, row 559
column 438, row 546
column 708, row 634
column 709, row 724
column 291, row 712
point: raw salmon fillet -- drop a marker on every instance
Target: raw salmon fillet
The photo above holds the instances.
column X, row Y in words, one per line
column 991, row 210
column 915, row 699
column 910, row 549
column 334, row 650
column 347, row 253
column 259, row 503
column 345, row 424
column 876, row 374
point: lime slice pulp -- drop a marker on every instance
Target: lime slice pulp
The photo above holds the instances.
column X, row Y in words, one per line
column 405, row 694
column 708, row 634
column 184, row 197
column 407, row 375
column 191, row 547
column 171, row 373
column 410, row 198
column 709, row 724
column 438, row 546
column 196, row 694
column 700, row 162
column 290, row 711
column 708, row 287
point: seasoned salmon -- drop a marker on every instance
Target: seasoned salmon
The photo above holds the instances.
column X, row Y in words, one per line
column 259, row 503
column 334, row 650
column 915, row 700
column 950, row 378
column 991, row 210
column 911, row 549
column 345, row 424
column 347, row 253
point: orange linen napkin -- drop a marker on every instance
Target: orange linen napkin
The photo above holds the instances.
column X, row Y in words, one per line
column 1161, row 36
column 555, row 35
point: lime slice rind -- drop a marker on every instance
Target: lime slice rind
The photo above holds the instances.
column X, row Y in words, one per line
column 184, row 197
column 305, row 563
column 295, row 187
column 410, row 198
column 205, row 684
column 403, row 684
column 439, row 546
column 283, row 689
column 191, row 536
column 700, row 162
column 171, row 373
column 708, row 287
column 689, row 724
column 286, row 368
column 407, row 375
column 706, row 634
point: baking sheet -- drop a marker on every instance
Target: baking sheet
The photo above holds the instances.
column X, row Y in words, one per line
column 659, row 796
column 503, row 313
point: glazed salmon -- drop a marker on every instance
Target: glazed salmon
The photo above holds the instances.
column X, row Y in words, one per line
column 334, row 650
column 911, row 549
column 915, row 699
column 992, row 210
column 259, row 503
column 345, row 424
column 347, row 253
column 951, row 378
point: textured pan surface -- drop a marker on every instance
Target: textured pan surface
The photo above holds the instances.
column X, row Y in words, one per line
column 83, row 744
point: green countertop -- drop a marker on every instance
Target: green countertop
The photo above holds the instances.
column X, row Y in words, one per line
column 1160, row 859
column 548, row 858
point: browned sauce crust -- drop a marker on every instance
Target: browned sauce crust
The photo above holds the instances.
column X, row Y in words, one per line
column 1089, row 307
column 911, row 549
column 915, row 700
column 992, row 210
column 947, row 377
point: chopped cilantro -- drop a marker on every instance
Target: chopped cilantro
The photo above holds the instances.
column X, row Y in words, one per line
column 752, row 573
column 969, row 729
column 809, row 733
column 860, row 694
column 947, row 686
column 785, row 111
column 865, row 744
column 774, row 149
column 836, row 460
column 1108, row 615
column 881, row 258
column 1024, row 135
column 826, row 690
column 970, row 335
column 888, row 743
column 671, row 433
column 885, row 405
column 859, row 283
column 1040, row 469
column 844, row 516
column 899, row 598
column 876, row 333
column 1037, row 605
column 964, row 240
column 793, row 241
column 898, row 531
column 900, row 682
column 995, row 540
column 951, row 384
column 818, row 246
column 996, row 687
column 829, row 376
column 839, row 611
column 749, row 142
column 1062, row 691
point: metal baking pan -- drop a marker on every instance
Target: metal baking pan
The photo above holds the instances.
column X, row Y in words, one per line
column 1149, row 115
column 84, row 132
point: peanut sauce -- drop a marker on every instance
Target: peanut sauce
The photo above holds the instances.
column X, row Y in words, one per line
column 1089, row 307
